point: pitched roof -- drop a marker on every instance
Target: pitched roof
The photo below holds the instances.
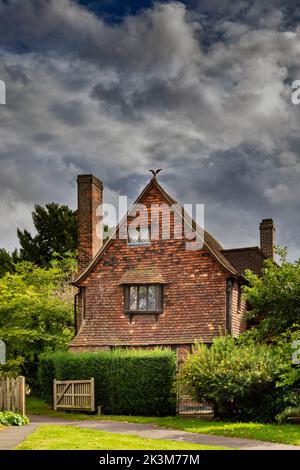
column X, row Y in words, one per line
column 246, row 258
column 210, row 243
column 150, row 275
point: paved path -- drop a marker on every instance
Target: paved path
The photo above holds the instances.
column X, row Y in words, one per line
column 13, row 435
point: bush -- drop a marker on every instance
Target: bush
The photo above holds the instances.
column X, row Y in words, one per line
column 241, row 378
column 131, row 382
column 8, row 418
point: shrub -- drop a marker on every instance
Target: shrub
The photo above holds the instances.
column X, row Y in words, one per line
column 128, row 382
column 8, row 418
column 241, row 378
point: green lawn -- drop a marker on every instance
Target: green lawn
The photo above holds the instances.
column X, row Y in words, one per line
column 285, row 433
column 71, row 438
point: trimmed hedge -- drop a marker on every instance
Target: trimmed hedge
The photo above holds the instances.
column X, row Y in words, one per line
column 129, row 382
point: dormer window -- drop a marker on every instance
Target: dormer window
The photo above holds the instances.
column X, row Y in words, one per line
column 138, row 235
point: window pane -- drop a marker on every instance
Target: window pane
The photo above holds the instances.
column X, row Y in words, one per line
column 133, row 234
column 133, row 298
column 152, row 298
column 144, row 234
column 143, row 298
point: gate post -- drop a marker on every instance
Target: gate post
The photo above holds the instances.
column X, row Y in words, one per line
column 22, row 394
column 92, row 394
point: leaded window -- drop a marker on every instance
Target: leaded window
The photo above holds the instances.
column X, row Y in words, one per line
column 138, row 234
column 144, row 298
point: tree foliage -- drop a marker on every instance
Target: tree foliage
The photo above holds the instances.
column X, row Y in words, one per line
column 243, row 379
column 274, row 298
column 7, row 261
column 56, row 232
column 36, row 311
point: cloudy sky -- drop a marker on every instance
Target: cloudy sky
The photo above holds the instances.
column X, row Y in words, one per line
column 201, row 89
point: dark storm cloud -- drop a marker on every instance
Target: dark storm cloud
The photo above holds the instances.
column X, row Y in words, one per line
column 201, row 89
column 69, row 113
column 114, row 100
column 257, row 13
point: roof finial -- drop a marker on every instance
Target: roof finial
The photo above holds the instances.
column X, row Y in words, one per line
column 155, row 172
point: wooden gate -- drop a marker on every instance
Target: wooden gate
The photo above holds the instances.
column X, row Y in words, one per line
column 74, row 394
column 12, row 394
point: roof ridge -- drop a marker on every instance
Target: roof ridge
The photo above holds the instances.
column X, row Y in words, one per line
column 242, row 248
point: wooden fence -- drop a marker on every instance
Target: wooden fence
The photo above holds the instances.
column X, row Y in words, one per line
column 12, row 394
column 74, row 394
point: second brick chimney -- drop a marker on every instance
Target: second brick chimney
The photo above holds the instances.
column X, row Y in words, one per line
column 267, row 237
column 89, row 232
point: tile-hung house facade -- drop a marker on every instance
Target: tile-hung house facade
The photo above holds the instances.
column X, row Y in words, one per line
column 135, row 291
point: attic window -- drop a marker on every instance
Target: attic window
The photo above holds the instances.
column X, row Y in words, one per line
column 144, row 298
column 138, row 235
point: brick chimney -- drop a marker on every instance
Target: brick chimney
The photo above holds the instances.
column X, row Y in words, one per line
column 89, row 232
column 267, row 237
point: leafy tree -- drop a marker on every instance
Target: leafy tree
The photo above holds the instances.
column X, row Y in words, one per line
column 56, row 232
column 36, row 311
column 274, row 298
column 7, row 261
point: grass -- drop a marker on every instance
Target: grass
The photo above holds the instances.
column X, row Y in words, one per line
column 284, row 433
column 52, row 437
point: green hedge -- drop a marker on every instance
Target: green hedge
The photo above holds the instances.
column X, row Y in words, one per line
column 130, row 382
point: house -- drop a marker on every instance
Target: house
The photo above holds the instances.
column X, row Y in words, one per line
column 135, row 291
